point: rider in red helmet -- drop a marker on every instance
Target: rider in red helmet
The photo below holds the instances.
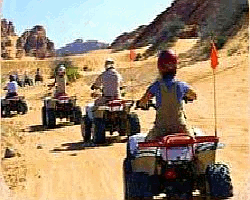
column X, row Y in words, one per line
column 169, row 93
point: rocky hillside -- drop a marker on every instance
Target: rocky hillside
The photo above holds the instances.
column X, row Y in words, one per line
column 79, row 47
column 126, row 39
column 184, row 18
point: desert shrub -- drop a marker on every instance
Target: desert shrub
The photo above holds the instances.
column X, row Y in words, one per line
column 220, row 41
column 231, row 51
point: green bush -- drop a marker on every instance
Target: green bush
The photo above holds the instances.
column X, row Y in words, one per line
column 220, row 41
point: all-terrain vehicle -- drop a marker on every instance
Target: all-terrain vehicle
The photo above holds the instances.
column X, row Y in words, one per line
column 13, row 104
column 115, row 115
column 28, row 81
column 38, row 78
column 60, row 107
column 177, row 165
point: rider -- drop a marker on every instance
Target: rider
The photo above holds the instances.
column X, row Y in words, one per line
column 60, row 82
column 26, row 76
column 12, row 87
column 170, row 116
column 110, row 81
column 38, row 73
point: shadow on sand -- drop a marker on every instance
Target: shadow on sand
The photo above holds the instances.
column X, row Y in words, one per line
column 36, row 128
column 76, row 146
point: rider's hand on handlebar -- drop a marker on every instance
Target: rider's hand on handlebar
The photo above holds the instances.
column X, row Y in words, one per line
column 93, row 87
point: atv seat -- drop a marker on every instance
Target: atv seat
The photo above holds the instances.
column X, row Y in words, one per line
column 119, row 102
column 61, row 96
column 118, row 105
column 12, row 98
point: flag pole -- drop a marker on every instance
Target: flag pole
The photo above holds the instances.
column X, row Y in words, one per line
column 214, row 64
column 131, row 80
column 215, row 108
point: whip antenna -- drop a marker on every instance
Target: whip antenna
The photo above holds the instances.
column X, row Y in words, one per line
column 214, row 64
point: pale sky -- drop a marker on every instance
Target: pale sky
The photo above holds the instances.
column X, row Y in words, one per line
column 67, row 20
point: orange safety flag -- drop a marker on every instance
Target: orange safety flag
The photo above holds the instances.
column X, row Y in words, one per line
column 132, row 55
column 214, row 56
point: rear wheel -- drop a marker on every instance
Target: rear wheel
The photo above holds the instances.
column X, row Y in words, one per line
column 86, row 126
column 22, row 108
column 5, row 111
column 50, row 118
column 99, row 135
column 76, row 115
column 219, row 181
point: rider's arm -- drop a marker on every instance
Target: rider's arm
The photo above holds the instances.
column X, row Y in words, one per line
column 188, row 91
column 147, row 96
column 151, row 91
column 97, row 84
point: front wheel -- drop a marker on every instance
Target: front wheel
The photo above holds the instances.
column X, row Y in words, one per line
column 50, row 118
column 22, row 108
column 5, row 111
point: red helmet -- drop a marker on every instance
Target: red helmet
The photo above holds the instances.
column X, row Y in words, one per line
column 167, row 61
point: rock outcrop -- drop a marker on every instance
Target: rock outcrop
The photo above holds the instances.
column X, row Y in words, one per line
column 35, row 43
column 8, row 40
column 31, row 43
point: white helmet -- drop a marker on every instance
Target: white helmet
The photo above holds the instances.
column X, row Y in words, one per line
column 61, row 70
column 109, row 63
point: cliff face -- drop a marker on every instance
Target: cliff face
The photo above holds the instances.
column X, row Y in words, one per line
column 35, row 43
column 7, row 28
column 8, row 40
column 31, row 43
column 202, row 17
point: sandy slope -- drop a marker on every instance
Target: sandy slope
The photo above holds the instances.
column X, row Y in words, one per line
column 64, row 169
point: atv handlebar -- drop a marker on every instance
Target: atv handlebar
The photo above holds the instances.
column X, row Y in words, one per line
column 148, row 105
column 151, row 104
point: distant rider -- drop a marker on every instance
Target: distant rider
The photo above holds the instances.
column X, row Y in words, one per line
column 12, row 87
column 170, row 116
column 110, row 82
column 38, row 72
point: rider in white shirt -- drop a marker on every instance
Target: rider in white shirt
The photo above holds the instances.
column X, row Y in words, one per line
column 12, row 87
column 110, row 81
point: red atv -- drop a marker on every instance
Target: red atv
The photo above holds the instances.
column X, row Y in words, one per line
column 176, row 165
column 60, row 107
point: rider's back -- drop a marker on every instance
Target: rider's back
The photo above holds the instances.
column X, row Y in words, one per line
column 111, row 80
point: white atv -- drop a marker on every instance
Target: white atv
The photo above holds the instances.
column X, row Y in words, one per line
column 115, row 115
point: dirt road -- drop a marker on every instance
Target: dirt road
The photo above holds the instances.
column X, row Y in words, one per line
column 55, row 164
